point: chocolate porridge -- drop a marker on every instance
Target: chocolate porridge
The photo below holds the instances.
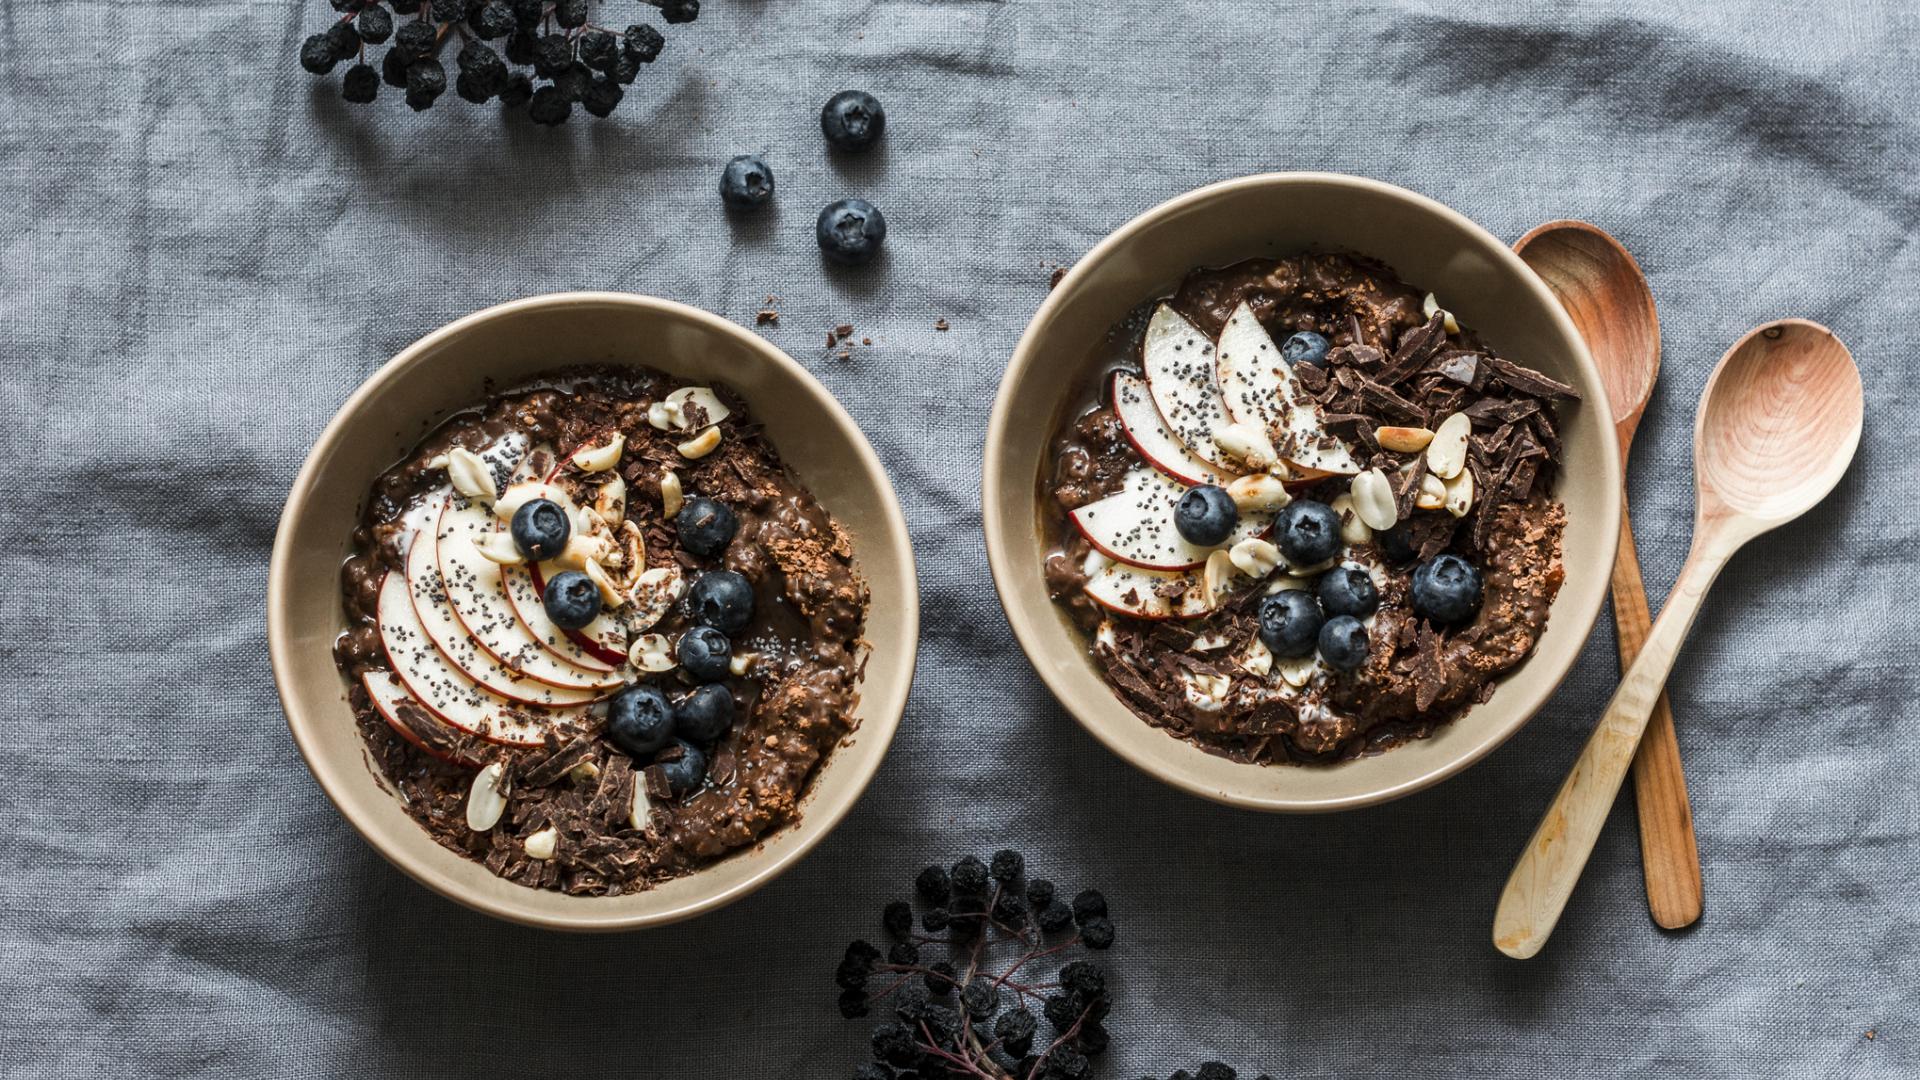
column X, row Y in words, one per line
column 1307, row 516
column 598, row 635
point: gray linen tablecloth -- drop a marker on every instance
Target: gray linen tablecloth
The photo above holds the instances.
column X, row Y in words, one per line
column 205, row 251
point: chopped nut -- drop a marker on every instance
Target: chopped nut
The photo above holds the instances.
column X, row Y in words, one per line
column 1247, row 443
column 1403, row 440
column 543, row 844
column 600, row 458
column 1255, row 557
column 485, row 801
column 696, row 406
column 470, row 475
column 1433, row 493
column 612, row 500
column 1206, row 692
column 741, row 663
column 1431, row 305
column 700, row 445
column 642, row 809
column 1352, row 529
column 1258, row 491
column 1214, row 577
column 437, row 461
column 610, row 593
column 654, row 593
column 1373, row 500
column 498, row 547
column 1258, row 659
column 1447, row 455
column 672, row 498
column 1296, row 670
column 651, row 652
column 1460, row 494
column 663, row 416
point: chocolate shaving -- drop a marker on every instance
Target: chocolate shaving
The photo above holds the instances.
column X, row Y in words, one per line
column 1391, row 403
column 1311, row 377
column 1357, row 356
column 1489, row 411
column 1528, row 381
column 1459, row 366
column 557, row 763
column 1417, row 346
column 1428, row 677
column 1406, row 486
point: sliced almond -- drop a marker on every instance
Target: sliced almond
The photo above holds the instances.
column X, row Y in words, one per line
column 651, row 652
column 1403, row 440
column 600, row 458
column 1352, row 529
column 641, row 810
column 470, row 475
column 1258, row 491
column 663, row 416
column 700, row 445
column 1216, row 575
column 1296, row 670
column 485, row 801
column 1208, row 693
column 543, row 844
column 1433, row 493
column 1258, row 659
column 1431, row 305
column 672, row 497
column 582, row 548
column 612, row 499
column 437, row 461
column 1447, row 454
column 1209, row 642
column 498, row 547
column 1373, row 500
column 610, row 594
column 1308, row 570
column 1460, row 494
column 1246, row 443
column 697, row 406
column 654, row 593
column 741, row 663
column 1254, row 557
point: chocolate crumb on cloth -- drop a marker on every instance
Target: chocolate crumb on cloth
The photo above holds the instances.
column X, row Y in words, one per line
column 795, row 705
column 1389, row 364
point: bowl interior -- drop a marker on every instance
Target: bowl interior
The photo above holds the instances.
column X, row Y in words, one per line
column 456, row 368
column 1431, row 247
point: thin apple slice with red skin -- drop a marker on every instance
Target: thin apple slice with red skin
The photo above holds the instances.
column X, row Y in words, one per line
column 1260, row 388
column 528, row 608
column 1177, row 360
column 1141, row 594
column 1140, row 421
column 1135, row 525
column 605, row 638
column 446, row 691
column 444, row 629
column 478, row 595
column 409, row 719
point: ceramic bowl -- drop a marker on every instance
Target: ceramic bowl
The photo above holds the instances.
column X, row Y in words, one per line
column 456, row 367
column 1278, row 214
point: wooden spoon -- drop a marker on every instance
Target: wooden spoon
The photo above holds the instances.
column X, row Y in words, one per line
column 1605, row 292
column 1778, row 424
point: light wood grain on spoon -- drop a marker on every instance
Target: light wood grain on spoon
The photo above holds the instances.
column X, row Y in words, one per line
column 1777, row 427
column 1607, row 295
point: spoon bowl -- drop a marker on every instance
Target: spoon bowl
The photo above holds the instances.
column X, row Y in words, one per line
column 1779, row 422
column 1606, row 293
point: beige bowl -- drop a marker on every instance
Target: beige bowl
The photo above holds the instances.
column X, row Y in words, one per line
column 453, row 368
column 1273, row 215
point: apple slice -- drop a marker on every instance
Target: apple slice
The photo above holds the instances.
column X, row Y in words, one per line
column 1260, row 388
column 408, row 718
column 478, row 595
column 1142, row 594
column 1178, row 361
column 1135, row 526
column 443, row 628
column 1141, row 423
column 446, row 691
column 604, row 639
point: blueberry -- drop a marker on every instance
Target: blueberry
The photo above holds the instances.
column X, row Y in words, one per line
column 1304, row 347
column 704, row 715
column 572, row 599
column 1308, row 532
column 706, row 527
column 1446, row 589
column 1343, row 643
column 850, row 231
column 640, row 721
column 706, row 654
column 1290, row 622
column 540, row 529
column 686, row 771
column 1348, row 590
column 1395, row 544
column 1205, row 515
column 721, row 599
column 746, row 183
column 853, row 120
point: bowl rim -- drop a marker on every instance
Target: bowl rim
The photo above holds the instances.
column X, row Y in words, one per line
column 1001, row 549
column 302, row 718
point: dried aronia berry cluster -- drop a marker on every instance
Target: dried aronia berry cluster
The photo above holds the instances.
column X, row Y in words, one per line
column 965, row 981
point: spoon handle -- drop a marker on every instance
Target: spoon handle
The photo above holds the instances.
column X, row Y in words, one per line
column 1544, row 877
column 1669, row 855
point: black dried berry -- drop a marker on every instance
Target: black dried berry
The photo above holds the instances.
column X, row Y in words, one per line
column 679, row 11
column 898, row 918
column 1055, row 917
column 361, row 85
column 393, row 68
column 1015, row 1030
column 969, row 876
column 549, row 107
column 1039, row 893
column 344, row 39
column 980, row 998
column 426, row 80
column 903, row 953
column 317, row 55
column 936, row 919
column 599, row 49
column 910, row 1003
column 894, row 1044
column 853, row 1003
column 521, row 47
column 571, row 14
column 933, row 885
column 448, row 11
column 643, row 43
column 1061, row 1011
column 602, row 97
column 1007, row 866
column 1088, row 904
column 1215, row 1070
column 1066, row 1063
column 495, row 19
column 517, row 92
column 414, row 40
column 552, row 55
column 940, row 978
column 375, row 24
column 1097, row 932
column 1010, row 911
column 1092, row 1040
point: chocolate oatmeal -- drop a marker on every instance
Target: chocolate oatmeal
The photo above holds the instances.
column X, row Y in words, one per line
column 1308, row 516
column 598, row 635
